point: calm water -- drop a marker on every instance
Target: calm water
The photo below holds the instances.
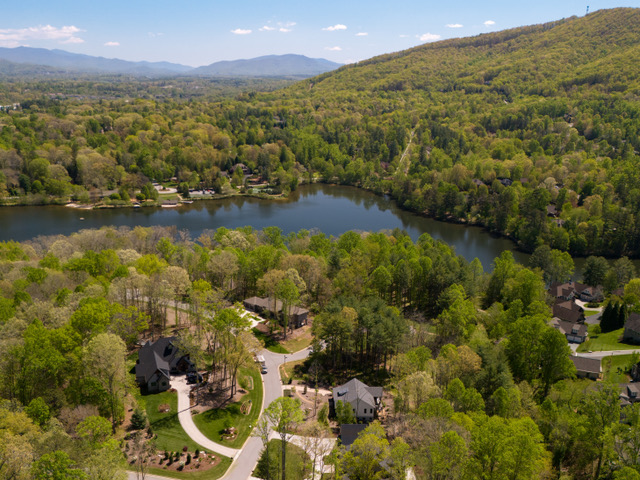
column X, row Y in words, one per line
column 330, row 209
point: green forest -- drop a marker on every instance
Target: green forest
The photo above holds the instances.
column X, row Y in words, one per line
column 531, row 133
column 482, row 386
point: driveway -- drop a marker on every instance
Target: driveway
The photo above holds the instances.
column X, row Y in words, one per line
column 187, row 423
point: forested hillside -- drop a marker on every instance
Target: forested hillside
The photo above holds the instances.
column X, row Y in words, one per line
column 531, row 132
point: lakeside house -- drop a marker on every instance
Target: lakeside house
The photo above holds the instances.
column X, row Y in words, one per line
column 568, row 311
column 365, row 401
column 157, row 361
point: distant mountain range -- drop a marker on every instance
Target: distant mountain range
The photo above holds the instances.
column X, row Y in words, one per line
column 269, row 66
column 24, row 60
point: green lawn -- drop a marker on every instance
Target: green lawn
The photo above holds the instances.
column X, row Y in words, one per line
column 605, row 341
column 298, row 462
column 212, row 422
column 588, row 313
column 297, row 344
column 613, row 368
column 269, row 342
column 212, row 474
column 288, row 370
column 171, row 436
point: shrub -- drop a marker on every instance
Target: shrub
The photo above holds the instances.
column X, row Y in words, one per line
column 188, row 459
column 185, row 448
column 197, row 452
column 138, row 420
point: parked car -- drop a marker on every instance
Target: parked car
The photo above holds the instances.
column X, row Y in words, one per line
column 193, row 377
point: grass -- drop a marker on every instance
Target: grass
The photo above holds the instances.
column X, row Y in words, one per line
column 605, row 341
column 298, row 462
column 212, row 422
column 297, row 344
column 171, row 435
column 613, row 368
column 288, row 370
column 211, row 474
column 588, row 313
column 270, row 343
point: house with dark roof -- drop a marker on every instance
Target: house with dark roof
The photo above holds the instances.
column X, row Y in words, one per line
column 157, row 361
column 365, row 401
column 587, row 367
column 297, row 315
column 575, row 290
column 568, row 311
column 575, row 332
column 632, row 328
column 629, row 393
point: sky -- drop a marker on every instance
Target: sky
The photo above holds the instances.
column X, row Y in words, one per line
column 200, row 32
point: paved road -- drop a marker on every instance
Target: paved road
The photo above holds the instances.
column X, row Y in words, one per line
column 607, row 353
column 246, row 461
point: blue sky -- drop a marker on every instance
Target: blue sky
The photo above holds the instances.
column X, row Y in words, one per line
column 200, row 32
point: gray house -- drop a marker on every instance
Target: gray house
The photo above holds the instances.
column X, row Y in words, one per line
column 365, row 401
column 297, row 315
column 157, row 361
column 587, row 367
column 632, row 328
column 575, row 332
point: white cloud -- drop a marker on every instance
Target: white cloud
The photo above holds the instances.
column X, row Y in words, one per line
column 73, row 40
column 284, row 27
column 13, row 37
column 333, row 28
column 361, row 34
column 333, row 49
column 454, row 25
column 488, row 23
column 112, row 44
column 240, row 31
column 428, row 37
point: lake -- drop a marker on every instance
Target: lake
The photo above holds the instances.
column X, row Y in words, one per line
column 328, row 208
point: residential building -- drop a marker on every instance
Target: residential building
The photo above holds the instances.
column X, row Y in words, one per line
column 575, row 332
column 365, row 401
column 632, row 328
column 587, row 367
column 157, row 361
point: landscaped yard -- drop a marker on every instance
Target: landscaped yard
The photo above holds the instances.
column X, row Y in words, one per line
column 171, row 436
column 588, row 313
column 270, row 343
column 294, row 344
column 613, row 367
column 605, row 341
column 287, row 370
column 213, row 422
column 212, row 474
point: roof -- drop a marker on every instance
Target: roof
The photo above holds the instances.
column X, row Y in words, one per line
column 355, row 391
column 569, row 328
column 633, row 323
column 587, row 365
column 568, row 311
column 350, row 431
column 161, row 355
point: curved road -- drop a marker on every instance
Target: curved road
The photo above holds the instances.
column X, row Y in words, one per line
column 245, row 459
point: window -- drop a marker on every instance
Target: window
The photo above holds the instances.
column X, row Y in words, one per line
column 153, row 384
